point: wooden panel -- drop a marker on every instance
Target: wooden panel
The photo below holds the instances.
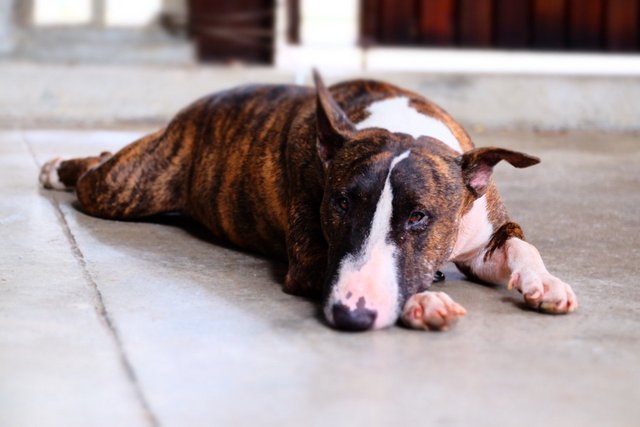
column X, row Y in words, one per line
column 586, row 25
column 622, row 24
column 437, row 22
column 233, row 30
column 512, row 23
column 586, row 21
column 474, row 20
column 549, row 24
column 399, row 22
column 293, row 21
column 369, row 22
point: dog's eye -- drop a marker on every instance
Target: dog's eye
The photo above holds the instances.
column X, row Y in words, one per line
column 416, row 218
column 342, row 204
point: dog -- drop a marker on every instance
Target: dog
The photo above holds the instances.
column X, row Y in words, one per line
column 364, row 188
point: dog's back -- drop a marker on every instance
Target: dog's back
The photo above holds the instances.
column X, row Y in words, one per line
column 238, row 177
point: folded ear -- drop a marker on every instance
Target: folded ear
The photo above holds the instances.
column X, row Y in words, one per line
column 477, row 166
column 333, row 126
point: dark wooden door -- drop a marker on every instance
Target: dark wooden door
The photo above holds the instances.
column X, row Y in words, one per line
column 576, row 25
column 233, row 30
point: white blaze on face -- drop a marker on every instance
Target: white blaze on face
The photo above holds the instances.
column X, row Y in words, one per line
column 396, row 115
column 372, row 273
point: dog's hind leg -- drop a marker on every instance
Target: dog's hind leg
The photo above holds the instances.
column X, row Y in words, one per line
column 60, row 174
column 145, row 178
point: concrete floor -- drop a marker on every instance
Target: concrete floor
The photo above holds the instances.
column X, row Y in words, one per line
column 137, row 324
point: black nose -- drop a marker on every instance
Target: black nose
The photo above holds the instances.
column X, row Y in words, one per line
column 359, row 319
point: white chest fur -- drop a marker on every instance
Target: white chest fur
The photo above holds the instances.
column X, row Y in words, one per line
column 397, row 115
column 474, row 232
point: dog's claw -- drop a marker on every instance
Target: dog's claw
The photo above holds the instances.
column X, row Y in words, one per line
column 438, row 277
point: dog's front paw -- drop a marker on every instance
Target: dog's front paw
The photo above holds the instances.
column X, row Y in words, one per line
column 49, row 175
column 544, row 291
column 431, row 310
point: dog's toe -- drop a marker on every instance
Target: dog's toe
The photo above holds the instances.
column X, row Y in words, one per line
column 544, row 292
column 431, row 310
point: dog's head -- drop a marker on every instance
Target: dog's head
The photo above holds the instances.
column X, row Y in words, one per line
column 390, row 212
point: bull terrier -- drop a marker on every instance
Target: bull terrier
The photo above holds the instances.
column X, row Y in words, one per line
column 366, row 189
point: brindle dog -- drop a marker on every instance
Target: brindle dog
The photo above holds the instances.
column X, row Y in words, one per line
column 365, row 189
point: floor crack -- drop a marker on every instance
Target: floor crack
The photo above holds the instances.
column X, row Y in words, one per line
column 99, row 304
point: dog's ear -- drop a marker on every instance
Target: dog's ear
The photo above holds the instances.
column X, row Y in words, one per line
column 477, row 166
column 333, row 126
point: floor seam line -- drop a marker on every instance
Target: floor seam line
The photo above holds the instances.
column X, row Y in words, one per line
column 99, row 304
column 103, row 314
column 29, row 149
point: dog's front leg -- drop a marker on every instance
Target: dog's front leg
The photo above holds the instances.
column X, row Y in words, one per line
column 512, row 261
column 305, row 275
column 306, row 251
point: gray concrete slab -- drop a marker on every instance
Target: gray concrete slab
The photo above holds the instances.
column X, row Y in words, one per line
column 211, row 339
column 59, row 363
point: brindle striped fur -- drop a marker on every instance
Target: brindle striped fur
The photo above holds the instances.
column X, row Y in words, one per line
column 244, row 163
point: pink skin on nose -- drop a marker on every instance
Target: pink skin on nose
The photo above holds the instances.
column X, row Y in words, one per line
column 375, row 282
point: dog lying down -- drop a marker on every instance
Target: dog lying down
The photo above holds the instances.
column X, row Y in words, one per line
column 366, row 189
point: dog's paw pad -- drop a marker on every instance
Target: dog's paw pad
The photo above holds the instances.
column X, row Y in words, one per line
column 49, row 175
column 431, row 310
column 544, row 292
